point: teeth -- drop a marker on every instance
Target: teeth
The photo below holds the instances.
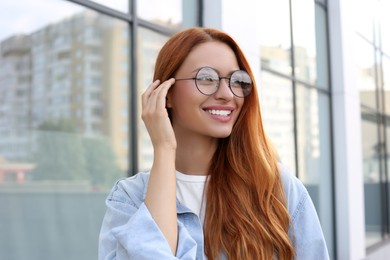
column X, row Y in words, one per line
column 220, row 112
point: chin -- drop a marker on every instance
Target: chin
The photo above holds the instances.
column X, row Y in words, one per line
column 222, row 135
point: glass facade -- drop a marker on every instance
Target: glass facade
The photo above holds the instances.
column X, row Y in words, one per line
column 67, row 101
column 295, row 96
column 149, row 45
column 173, row 14
column 372, row 66
column 275, row 48
column 278, row 115
column 119, row 5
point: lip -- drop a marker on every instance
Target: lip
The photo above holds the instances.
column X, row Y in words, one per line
column 219, row 118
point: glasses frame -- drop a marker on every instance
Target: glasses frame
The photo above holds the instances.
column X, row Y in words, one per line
column 219, row 81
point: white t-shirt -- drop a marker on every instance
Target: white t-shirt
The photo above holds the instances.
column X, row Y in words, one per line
column 190, row 192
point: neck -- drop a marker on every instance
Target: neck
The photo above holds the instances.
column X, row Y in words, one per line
column 193, row 155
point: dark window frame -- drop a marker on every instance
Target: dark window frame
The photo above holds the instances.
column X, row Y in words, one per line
column 134, row 23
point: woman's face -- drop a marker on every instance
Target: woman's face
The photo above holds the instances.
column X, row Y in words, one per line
column 193, row 113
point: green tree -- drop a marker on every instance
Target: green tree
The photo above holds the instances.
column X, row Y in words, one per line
column 60, row 152
column 101, row 162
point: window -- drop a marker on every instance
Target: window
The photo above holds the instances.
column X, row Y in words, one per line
column 120, row 5
column 63, row 158
column 72, row 69
column 278, row 115
column 295, row 96
column 149, row 45
column 372, row 66
column 173, row 13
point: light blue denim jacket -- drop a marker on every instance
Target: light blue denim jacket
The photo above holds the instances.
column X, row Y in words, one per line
column 129, row 231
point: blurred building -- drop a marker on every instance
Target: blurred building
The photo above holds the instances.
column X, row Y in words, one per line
column 75, row 69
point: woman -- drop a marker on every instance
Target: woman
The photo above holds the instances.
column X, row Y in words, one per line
column 215, row 189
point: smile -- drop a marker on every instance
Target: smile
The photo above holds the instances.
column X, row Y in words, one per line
column 219, row 112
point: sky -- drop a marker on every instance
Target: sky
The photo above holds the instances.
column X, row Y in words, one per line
column 15, row 17
column 31, row 15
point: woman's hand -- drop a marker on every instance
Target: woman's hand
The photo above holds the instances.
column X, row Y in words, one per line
column 155, row 114
column 161, row 194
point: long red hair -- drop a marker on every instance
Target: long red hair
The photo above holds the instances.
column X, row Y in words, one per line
column 246, row 215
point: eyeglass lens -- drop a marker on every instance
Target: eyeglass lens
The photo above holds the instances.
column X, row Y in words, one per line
column 208, row 80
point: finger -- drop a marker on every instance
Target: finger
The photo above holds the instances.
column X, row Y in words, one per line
column 162, row 93
column 146, row 95
column 156, row 95
column 155, row 98
column 151, row 88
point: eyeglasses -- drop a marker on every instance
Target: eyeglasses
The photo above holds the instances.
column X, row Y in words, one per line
column 207, row 81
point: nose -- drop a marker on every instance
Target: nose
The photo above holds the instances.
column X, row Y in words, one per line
column 224, row 91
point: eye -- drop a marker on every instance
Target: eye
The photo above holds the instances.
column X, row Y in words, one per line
column 205, row 78
column 207, row 74
column 235, row 82
column 240, row 83
column 241, row 79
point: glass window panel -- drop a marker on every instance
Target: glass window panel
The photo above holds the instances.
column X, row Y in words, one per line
column 304, row 34
column 61, row 129
column 386, row 82
column 274, row 34
column 314, row 153
column 379, row 80
column 120, row 5
column 13, row 18
column 277, row 113
column 363, row 18
column 384, row 7
column 387, row 160
column 150, row 44
column 365, row 63
column 175, row 14
column 371, row 173
column 376, row 22
column 322, row 64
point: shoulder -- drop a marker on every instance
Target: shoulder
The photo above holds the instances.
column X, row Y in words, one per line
column 131, row 189
column 297, row 195
column 291, row 184
column 305, row 231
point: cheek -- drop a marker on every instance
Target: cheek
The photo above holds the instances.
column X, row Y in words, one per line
column 182, row 101
column 183, row 95
column 240, row 102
